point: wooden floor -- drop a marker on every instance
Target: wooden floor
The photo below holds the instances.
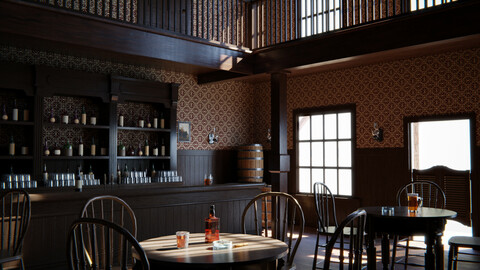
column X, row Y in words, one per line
column 304, row 257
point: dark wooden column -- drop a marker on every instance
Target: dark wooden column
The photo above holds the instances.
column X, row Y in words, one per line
column 279, row 164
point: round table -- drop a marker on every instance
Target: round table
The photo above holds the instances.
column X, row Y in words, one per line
column 162, row 252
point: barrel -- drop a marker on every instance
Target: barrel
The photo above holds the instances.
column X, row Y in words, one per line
column 250, row 163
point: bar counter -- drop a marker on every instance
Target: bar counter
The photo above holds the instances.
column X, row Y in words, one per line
column 160, row 209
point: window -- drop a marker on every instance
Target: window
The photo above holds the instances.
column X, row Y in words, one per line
column 324, row 149
column 420, row 4
column 319, row 16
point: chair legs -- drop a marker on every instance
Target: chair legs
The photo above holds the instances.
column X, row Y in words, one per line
column 316, row 253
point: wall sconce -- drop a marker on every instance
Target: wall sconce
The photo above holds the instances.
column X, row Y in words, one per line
column 269, row 135
column 212, row 137
column 377, row 133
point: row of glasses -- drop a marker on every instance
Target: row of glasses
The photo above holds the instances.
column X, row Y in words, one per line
column 167, row 177
column 12, row 181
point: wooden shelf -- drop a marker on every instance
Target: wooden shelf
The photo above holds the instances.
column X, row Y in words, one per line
column 143, row 157
column 60, row 125
column 16, row 157
column 145, row 129
column 74, row 157
column 16, row 123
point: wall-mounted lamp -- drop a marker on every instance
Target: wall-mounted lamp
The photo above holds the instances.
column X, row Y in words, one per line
column 377, row 133
column 212, row 137
column 269, row 135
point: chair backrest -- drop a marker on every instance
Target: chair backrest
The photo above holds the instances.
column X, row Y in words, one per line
column 99, row 244
column 15, row 218
column 431, row 193
column 350, row 249
column 113, row 209
column 277, row 215
column 324, row 206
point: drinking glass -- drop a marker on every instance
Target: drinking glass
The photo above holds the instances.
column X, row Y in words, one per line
column 182, row 239
column 414, row 201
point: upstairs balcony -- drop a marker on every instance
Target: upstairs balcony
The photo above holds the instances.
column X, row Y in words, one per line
column 224, row 39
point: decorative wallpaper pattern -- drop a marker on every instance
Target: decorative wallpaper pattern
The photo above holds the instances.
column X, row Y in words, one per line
column 384, row 93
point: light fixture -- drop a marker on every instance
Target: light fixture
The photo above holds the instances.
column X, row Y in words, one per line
column 212, row 137
column 377, row 133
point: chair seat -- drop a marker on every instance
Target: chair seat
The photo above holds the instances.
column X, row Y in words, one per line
column 331, row 230
column 465, row 241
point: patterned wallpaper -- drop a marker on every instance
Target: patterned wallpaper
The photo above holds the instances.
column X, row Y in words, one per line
column 384, row 93
column 387, row 92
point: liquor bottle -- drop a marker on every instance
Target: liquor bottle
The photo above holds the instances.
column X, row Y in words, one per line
column 68, row 149
column 212, row 226
column 139, row 151
column 154, row 173
column 162, row 151
column 93, row 147
column 149, row 125
column 121, row 120
column 121, row 150
column 56, row 150
column 155, row 120
column 147, row 149
column 141, row 122
column 45, row 173
column 162, row 120
column 15, row 111
column 80, row 147
column 26, row 113
column 125, row 174
column 90, row 171
column 4, row 112
column 46, row 151
column 75, row 118
column 11, row 147
column 84, row 116
column 65, row 118
column 52, row 117
column 119, row 174
column 79, row 179
column 155, row 149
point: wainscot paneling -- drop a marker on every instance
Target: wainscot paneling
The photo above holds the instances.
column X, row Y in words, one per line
column 159, row 211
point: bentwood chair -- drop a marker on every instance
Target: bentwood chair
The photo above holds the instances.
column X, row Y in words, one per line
column 432, row 196
column 326, row 216
column 99, row 244
column 456, row 242
column 14, row 221
column 277, row 215
column 351, row 251
column 113, row 209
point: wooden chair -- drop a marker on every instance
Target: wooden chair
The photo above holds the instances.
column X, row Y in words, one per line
column 99, row 244
column 432, row 195
column 277, row 215
column 326, row 215
column 355, row 222
column 14, row 221
column 113, row 209
column 461, row 242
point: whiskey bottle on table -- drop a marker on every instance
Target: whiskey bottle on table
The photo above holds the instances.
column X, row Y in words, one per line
column 212, row 226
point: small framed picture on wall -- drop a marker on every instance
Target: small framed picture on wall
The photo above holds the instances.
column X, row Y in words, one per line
column 184, row 134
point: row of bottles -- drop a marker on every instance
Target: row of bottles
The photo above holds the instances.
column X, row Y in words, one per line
column 15, row 113
column 142, row 176
column 12, row 148
column 142, row 151
column 143, row 122
column 67, row 149
column 69, row 179
column 64, row 118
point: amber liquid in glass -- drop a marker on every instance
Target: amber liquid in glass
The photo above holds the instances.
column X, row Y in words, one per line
column 412, row 202
column 212, row 226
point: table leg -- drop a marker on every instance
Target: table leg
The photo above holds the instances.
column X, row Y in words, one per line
column 429, row 256
column 371, row 251
column 385, row 251
column 439, row 264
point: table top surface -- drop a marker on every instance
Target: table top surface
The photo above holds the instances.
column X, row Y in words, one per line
column 258, row 249
column 402, row 212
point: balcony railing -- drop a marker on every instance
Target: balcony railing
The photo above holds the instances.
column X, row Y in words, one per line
column 244, row 23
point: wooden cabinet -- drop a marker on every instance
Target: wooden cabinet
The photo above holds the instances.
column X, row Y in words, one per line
column 100, row 99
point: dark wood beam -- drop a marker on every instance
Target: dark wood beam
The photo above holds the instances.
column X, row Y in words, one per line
column 60, row 30
column 445, row 22
column 216, row 76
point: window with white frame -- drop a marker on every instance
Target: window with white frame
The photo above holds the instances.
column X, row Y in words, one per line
column 320, row 16
column 324, row 149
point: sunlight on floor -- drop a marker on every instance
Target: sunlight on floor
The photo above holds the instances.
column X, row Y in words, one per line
column 452, row 228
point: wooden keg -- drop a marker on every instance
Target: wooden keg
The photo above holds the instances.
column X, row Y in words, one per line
column 250, row 163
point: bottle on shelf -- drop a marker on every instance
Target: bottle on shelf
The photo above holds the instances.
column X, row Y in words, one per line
column 155, row 120
column 65, row 118
column 162, row 147
column 155, row 150
column 119, row 174
column 147, row 149
column 15, row 111
column 52, row 117
column 140, row 151
column 212, row 226
column 141, row 122
column 80, row 147
column 90, row 171
column 131, row 151
column 56, row 150
column 93, row 120
column 83, row 116
column 121, row 150
column 4, row 112
column 79, row 179
column 45, row 173
column 93, row 147
column 68, row 149
column 11, row 146
column 149, row 125
column 125, row 174
column 75, row 118
column 121, row 120
column 26, row 113
column 46, row 151
column 162, row 120
column 154, row 173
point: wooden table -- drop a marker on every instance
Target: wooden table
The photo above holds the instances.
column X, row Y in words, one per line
column 428, row 221
column 262, row 252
